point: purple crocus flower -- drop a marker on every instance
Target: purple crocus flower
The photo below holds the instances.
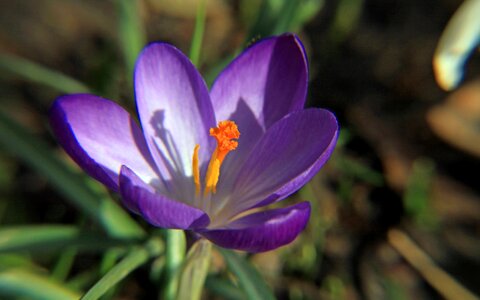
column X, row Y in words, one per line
column 202, row 160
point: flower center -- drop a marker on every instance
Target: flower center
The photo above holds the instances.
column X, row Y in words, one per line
column 226, row 134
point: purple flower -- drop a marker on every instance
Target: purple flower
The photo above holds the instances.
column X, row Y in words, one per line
column 181, row 170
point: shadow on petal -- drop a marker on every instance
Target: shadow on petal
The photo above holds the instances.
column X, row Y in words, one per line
column 158, row 210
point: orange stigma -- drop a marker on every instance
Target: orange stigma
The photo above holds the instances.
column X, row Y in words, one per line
column 226, row 135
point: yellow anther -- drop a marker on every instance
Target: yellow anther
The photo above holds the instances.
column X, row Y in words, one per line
column 196, row 170
column 226, row 135
column 213, row 173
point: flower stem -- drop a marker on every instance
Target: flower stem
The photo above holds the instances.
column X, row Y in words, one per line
column 175, row 254
column 194, row 271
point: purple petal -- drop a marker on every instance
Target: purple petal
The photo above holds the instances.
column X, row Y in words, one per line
column 156, row 209
column 262, row 231
column 270, row 78
column 175, row 111
column 286, row 157
column 101, row 137
column 265, row 83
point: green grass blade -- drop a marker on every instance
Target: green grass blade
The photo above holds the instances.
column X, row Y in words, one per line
column 137, row 257
column 194, row 271
column 34, row 72
column 248, row 277
column 132, row 34
column 18, row 142
column 23, row 284
column 51, row 237
column 197, row 38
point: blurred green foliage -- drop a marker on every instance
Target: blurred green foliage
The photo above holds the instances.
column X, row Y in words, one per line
column 417, row 194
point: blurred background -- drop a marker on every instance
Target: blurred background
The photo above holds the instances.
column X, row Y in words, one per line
column 396, row 211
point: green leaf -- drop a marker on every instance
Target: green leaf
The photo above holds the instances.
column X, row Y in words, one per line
column 21, row 283
column 137, row 257
column 225, row 289
column 109, row 259
column 48, row 237
column 194, row 271
column 18, row 142
column 64, row 264
column 33, row 72
column 197, row 38
column 132, row 34
column 248, row 277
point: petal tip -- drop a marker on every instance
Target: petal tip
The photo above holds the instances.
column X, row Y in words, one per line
column 66, row 136
column 262, row 231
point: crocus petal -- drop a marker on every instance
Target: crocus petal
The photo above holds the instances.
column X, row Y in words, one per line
column 286, row 157
column 156, row 209
column 175, row 112
column 101, row 137
column 262, row 231
column 265, row 83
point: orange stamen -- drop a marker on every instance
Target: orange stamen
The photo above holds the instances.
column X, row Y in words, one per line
column 226, row 135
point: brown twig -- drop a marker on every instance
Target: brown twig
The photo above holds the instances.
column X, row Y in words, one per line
column 440, row 280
